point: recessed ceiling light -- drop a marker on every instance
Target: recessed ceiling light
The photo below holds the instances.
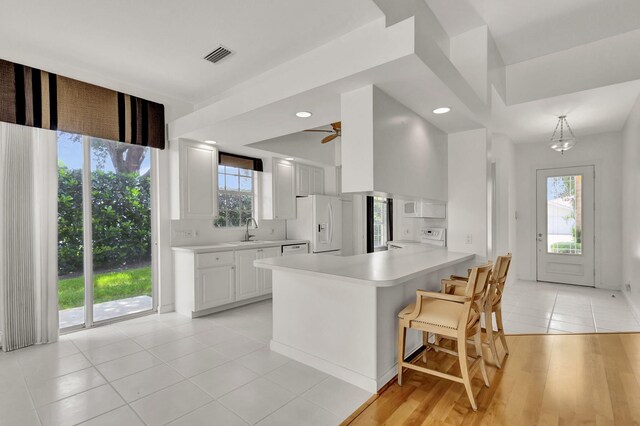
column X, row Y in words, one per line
column 303, row 114
column 289, row 158
column 441, row 110
column 211, row 142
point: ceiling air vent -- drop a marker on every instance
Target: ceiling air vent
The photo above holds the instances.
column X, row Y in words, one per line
column 217, row 55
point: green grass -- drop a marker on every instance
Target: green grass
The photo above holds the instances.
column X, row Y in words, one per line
column 566, row 247
column 107, row 286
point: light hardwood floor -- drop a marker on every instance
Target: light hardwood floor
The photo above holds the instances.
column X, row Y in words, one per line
column 546, row 379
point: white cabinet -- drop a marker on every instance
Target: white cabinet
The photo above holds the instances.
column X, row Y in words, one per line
column 203, row 281
column 265, row 274
column 317, row 181
column 284, row 199
column 247, row 276
column 213, row 279
column 251, row 281
column 215, row 287
column 303, row 180
column 309, row 180
column 193, row 188
column 278, row 191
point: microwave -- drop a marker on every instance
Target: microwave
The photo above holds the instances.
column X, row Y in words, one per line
column 425, row 209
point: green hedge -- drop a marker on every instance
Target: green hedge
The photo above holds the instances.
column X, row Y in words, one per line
column 121, row 204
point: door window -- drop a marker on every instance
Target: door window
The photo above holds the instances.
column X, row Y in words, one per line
column 564, row 214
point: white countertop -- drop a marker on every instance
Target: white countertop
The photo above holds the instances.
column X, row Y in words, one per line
column 236, row 245
column 380, row 269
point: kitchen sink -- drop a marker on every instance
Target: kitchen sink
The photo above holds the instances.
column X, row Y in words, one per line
column 250, row 242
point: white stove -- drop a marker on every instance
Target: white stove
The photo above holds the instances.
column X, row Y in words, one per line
column 428, row 236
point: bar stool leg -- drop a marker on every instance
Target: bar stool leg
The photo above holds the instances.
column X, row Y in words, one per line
column 464, row 369
column 503, row 339
column 488, row 319
column 402, row 334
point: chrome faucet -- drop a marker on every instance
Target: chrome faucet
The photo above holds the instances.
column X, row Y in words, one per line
column 247, row 235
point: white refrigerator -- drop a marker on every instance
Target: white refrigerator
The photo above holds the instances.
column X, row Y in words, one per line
column 319, row 220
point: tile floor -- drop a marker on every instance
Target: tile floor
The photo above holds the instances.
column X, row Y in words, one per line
column 532, row 307
column 169, row 369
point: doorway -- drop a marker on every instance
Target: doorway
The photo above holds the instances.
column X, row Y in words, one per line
column 104, row 231
column 565, row 225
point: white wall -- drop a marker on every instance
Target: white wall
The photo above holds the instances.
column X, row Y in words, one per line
column 467, row 207
column 389, row 149
column 503, row 155
column 357, row 140
column 631, row 202
column 603, row 151
column 410, row 154
column 207, row 234
column 469, row 54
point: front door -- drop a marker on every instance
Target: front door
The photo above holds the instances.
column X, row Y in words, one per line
column 565, row 225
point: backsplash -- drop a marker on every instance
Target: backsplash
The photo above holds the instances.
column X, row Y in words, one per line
column 202, row 232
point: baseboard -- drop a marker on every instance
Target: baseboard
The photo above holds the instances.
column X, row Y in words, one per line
column 230, row 306
column 634, row 302
column 166, row 308
column 349, row 376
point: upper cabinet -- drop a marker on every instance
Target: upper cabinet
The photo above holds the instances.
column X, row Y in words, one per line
column 194, row 193
column 278, row 192
column 309, row 180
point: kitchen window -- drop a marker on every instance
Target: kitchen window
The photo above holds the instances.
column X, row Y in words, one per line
column 236, row 196
column 236, row 189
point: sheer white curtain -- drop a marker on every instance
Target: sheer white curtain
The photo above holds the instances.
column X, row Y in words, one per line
column 28, row 236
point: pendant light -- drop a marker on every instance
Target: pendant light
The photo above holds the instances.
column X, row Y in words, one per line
column 561, row 141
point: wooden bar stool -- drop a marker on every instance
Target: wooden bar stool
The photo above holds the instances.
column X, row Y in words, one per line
column 454, row 316
column 493, row 305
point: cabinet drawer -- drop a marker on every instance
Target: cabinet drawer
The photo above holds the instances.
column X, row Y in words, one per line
column 208, row 260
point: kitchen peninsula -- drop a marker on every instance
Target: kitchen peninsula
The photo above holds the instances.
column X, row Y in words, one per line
column 339, row 314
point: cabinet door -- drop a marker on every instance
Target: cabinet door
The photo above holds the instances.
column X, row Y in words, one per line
column 317, row 181
column 216, row 286
column 284, row 200
column 198, row 175
column 247, row 276
column 303, row 175
column 265, row 274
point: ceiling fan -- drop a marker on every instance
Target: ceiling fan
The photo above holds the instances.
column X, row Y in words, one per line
column 335, row 132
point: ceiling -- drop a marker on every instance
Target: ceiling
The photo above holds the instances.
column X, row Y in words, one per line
column 525, row 29
column 158, row 45
column 600, row 110
column 302, row 146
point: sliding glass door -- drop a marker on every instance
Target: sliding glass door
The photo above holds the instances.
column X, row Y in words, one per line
column 105, row 243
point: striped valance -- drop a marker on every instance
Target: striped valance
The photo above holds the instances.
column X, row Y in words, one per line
column 31, row 97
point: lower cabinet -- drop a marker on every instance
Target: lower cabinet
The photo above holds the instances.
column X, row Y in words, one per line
column 216, row 286
column 247, row 275
column 251, row 281
column 266, row 273
column 211, row 279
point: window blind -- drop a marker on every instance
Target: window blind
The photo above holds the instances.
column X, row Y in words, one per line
column 36, row 98
column 240, row 161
